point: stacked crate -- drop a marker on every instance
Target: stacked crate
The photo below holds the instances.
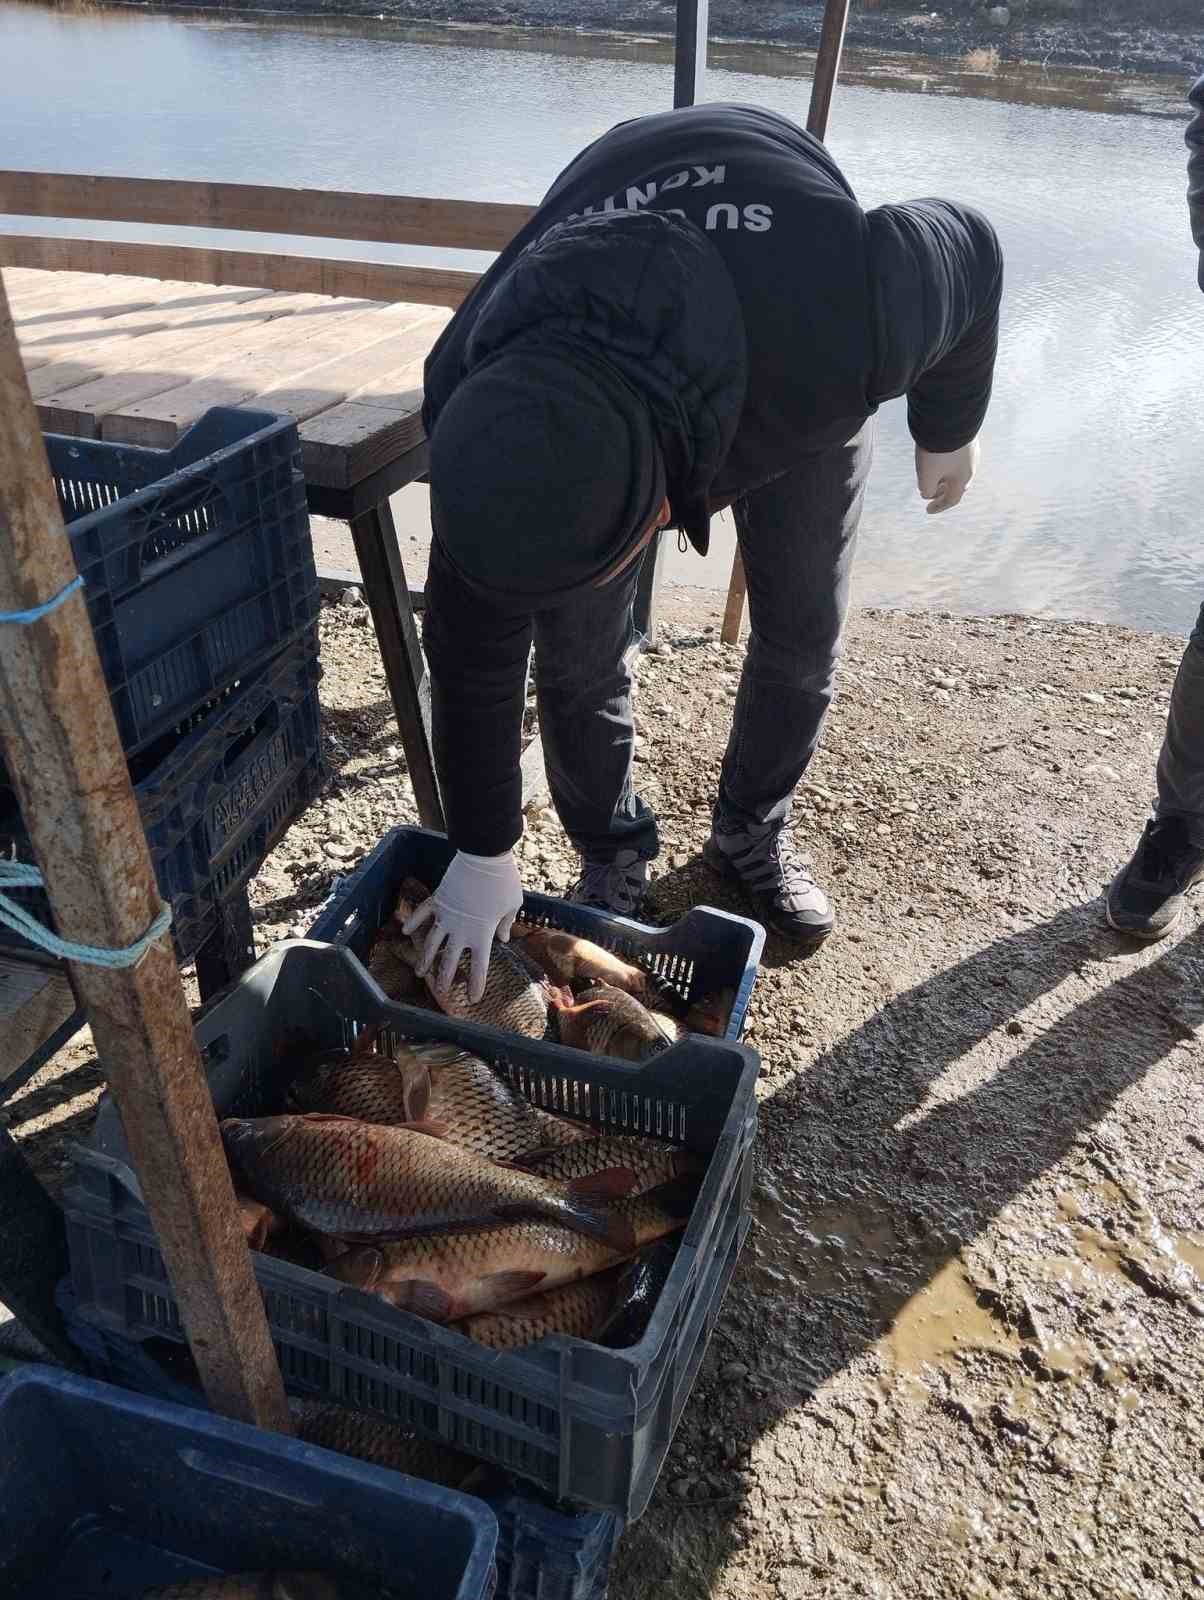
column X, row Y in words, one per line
column 201, row 589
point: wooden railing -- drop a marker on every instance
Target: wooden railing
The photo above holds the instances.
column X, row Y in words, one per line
column 240, row 207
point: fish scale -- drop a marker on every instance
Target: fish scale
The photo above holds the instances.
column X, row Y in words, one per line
column 483, row 1113
column 360, row 1180
column 576, row 1310
column 444, row 1277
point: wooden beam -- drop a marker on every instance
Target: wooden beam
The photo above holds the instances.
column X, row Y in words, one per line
column 243, row 207
column 823, row 87
column 64, row 755
column 357, row 280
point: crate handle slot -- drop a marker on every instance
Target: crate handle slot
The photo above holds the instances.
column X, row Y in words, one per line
column 249, row 1476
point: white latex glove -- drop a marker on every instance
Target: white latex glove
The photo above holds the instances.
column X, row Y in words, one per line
column 944, row 478
column 478, row 900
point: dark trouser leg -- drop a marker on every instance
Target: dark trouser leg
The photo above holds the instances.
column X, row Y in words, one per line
column 797, row 537
column 1181, row 764
column 583, row 685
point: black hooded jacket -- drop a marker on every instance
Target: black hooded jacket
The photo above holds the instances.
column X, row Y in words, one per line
column 812, row 315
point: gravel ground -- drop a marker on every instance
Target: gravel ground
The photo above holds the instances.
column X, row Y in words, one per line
column 964, row 1351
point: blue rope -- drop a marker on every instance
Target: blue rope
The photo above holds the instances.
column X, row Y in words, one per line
column 46, row 607
column 18, row 875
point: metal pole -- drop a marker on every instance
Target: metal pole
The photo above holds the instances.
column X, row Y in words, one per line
column 63, row 751
column 823, row 87
column 689, row 51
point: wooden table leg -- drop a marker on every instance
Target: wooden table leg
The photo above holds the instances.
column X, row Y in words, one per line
column 388, row 597
column 229, row 949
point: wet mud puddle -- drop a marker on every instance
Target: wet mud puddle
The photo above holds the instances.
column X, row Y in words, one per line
column 909, row 1280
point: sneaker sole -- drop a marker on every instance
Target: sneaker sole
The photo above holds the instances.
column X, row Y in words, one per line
column 805, row 941
column 1151, row 936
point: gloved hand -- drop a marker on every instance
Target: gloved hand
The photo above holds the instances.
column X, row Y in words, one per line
column 478, row 900
column 944, row 477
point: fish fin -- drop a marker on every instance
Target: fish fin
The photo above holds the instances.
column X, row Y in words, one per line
column 503, row 1286
column 436, row 1130
column 432, row 1054
column 359, row 1267
column 612, row 1228
column 419, row 1295
column 327, row 1116
column 600, row 1188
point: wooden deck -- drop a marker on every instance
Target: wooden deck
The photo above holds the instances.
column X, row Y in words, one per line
column 137, row 360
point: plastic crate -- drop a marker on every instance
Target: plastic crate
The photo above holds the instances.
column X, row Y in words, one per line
column 108, row 1493
column 543, row 1553
column 589, row 1425
column 197, row 561
column 214, row 802
column 549, row 1554
column 704, row 952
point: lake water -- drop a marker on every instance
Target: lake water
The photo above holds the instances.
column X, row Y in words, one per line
column 1089, row 499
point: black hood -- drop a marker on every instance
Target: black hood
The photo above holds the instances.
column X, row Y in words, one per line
column 606, row 369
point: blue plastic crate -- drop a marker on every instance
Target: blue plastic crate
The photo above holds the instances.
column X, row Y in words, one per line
column 543, row 1552
column 589, row 1425
column 704, row 952
column 216, row 800
column 107, row 1493
column 197, row 561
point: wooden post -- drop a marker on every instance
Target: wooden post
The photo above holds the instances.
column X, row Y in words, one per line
column 823, row 87
column 689, row 50
column 64, row 754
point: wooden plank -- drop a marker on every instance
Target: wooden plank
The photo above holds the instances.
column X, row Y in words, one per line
column 65, row 758
column 110, row 345
column 367, row 280
column 282, row 349
column 34, row 1001
column 83, row 320
column 54, row 293
column 77, row 394
column 47, row 314
column 309, row 213
column 89, row 391
column 733, row 610
column 175, row 304
column 394, row 358
column 341, row 447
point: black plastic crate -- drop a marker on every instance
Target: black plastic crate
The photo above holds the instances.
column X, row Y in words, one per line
column 107, row 1493
column 589, row 1425
column 216, row 800
column 197, row 561
column 702, row 953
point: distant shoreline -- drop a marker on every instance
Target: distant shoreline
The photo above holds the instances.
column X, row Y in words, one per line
column 1134, row 47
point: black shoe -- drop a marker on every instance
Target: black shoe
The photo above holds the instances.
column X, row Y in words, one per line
column 766, row 863
column 1145, row 899
column 616, row 886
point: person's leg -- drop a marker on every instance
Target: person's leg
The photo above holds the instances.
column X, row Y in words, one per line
column 1146, row 896
column 1181, row 764
column 797, row 538
column 584, row 690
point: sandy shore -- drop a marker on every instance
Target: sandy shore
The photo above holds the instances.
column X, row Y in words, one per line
column 964, row 1351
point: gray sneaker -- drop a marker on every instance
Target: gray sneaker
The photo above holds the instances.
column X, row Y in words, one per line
column 617, row 886
column 1145, row 899
column 766, row 862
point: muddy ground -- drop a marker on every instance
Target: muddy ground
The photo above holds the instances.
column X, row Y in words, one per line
column 964, row 1352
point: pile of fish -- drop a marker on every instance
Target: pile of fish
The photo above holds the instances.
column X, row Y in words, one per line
column 417, row 1173
column 549, row 984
